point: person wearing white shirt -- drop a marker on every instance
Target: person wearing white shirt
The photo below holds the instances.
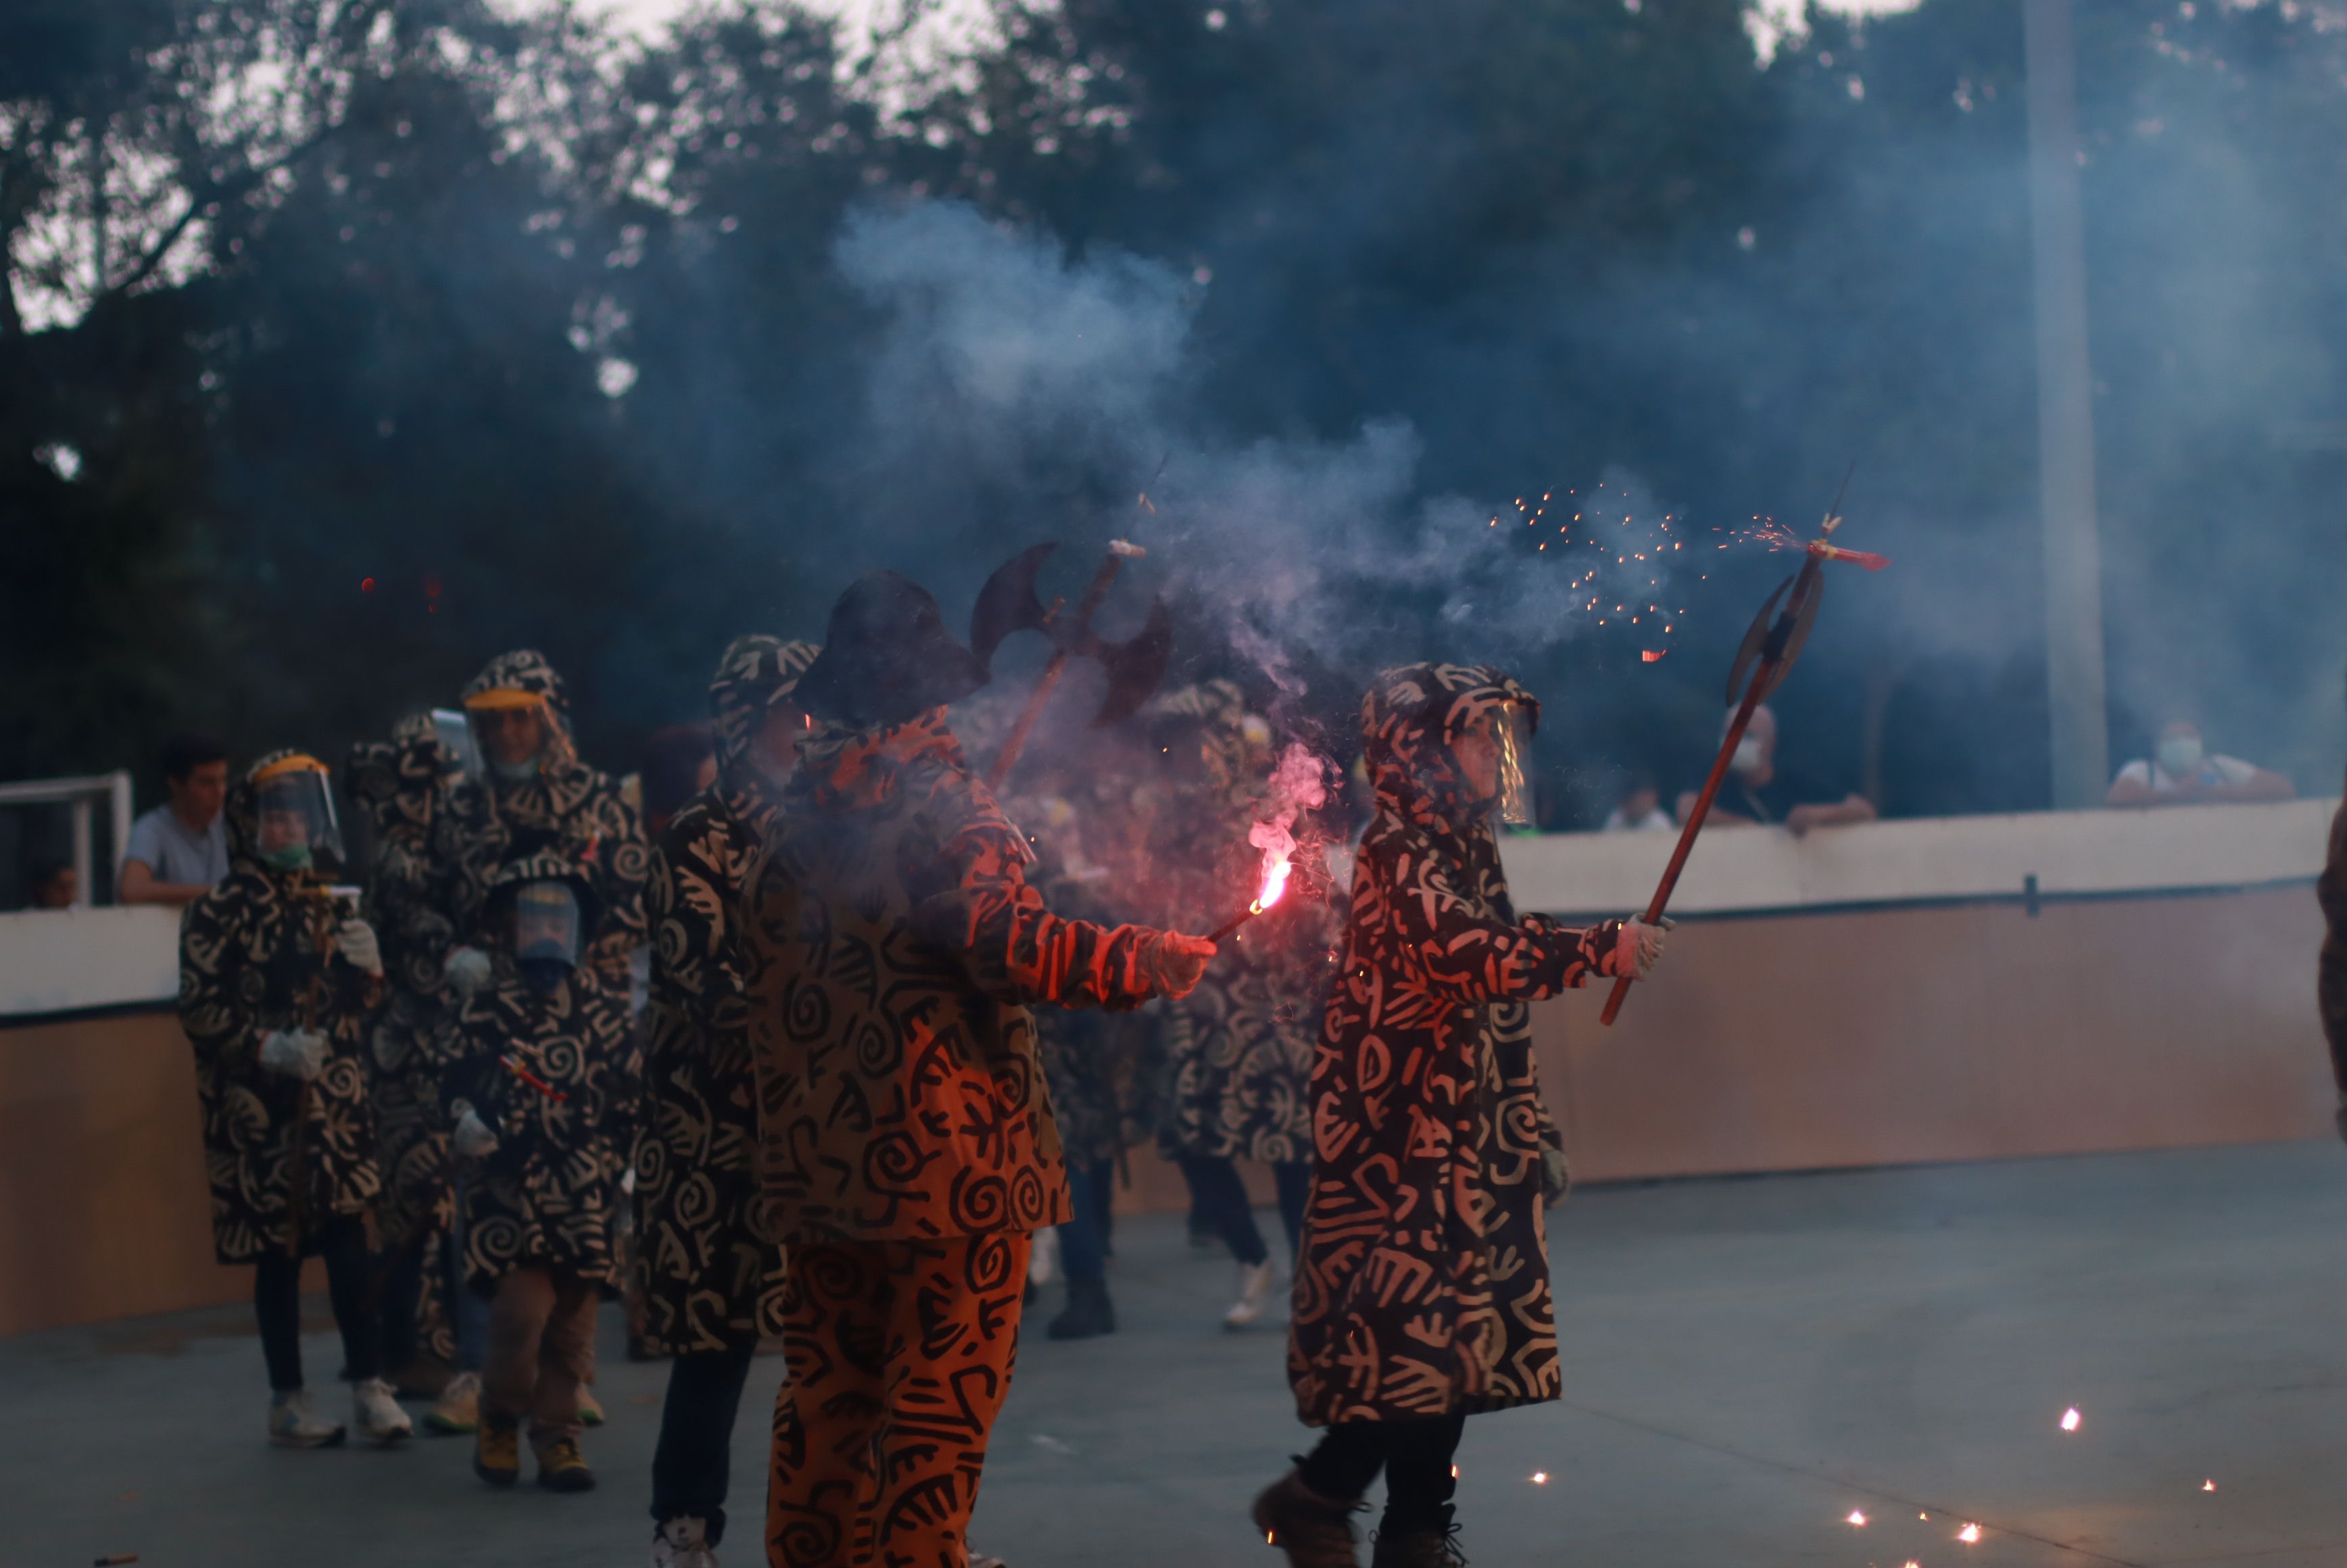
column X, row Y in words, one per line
column 2182, row 771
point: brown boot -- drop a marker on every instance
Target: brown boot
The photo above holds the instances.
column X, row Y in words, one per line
column 1315, row 1531
column 1417, row 1549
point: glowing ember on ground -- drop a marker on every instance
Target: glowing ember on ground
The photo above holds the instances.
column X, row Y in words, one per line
column 1856, row 1517
column 1969, row 1534
column 2070, row 1419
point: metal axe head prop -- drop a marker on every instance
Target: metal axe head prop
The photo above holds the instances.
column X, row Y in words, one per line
column 1009, row 603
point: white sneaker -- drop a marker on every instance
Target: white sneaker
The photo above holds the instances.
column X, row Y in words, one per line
column 376, row 1414
column 1255, row 1282
column 292, row 1424
column 683, row 1544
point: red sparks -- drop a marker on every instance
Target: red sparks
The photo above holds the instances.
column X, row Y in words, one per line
column 1652, row 655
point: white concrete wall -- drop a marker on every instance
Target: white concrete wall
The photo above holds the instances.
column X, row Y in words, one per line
column 61, row 960
column 1927, row 860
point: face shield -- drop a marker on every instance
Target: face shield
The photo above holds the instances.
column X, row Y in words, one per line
column 515, row 733
column 296, row 830
column 454, row 729
column 545, row 933
column 1512, row 730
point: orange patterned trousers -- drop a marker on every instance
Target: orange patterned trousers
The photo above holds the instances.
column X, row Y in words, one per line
column 900, row 1354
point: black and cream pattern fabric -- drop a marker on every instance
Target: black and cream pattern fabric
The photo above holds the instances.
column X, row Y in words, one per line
column 1423, row 1285
column 554, row 1075
column 256, row 955
column 709, row 1274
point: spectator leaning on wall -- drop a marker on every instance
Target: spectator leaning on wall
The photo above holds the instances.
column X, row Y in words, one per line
column 2182, row 772
column 1758, row 791
column 55, row 885
column 178, row 850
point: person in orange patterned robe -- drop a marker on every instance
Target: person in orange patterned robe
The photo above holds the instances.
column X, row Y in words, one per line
column 1422, row 1295
column 907, row 1149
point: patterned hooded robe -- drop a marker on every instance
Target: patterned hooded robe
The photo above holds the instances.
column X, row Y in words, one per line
column 710, row 1276
column 256, row 954
column 399, row 785
column 548, row 1195
column 1423, row 1286
column 1104, row 1070
column 897, row 947
column 1239, row 1047
column 566, row 809
column 2332, row 969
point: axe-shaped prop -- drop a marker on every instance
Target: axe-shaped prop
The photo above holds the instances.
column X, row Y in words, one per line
column 1774, row 641
column 1009, row 603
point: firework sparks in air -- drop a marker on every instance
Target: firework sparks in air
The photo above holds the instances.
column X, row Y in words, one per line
column 2070, row 1419
column 1856, row 1517
column 1970, row 1534
column 1626, row 554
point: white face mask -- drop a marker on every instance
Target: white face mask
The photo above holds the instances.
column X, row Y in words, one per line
column 1750, row 756
column 2180, row 756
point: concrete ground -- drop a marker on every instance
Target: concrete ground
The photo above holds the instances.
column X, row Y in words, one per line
column 1746, row 1364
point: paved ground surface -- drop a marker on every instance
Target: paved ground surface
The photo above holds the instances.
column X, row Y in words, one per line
column 1746, row 1363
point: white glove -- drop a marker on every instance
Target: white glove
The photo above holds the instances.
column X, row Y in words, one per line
column 356, row 941
column 1639, row 949
column 468, row 969
column 472, row 1138
column 296, row 1052
column 389, row 1049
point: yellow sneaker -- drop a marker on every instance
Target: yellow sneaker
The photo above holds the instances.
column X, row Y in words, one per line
column 561, row 1468
column 497, row 1452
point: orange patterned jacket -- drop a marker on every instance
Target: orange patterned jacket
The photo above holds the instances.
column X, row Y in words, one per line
column 895, row 948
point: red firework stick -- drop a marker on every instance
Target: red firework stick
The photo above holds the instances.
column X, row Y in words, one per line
column 534, row 1080
column 1222, row 932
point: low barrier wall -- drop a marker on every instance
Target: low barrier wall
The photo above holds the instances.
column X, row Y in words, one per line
column 1877, row 995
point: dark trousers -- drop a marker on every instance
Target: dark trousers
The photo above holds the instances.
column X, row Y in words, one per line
column 401, row 1306
column 1415, row 1456
column 691, row 1465
column 1083, row 1240
column 277, row 1305
column 1217, row 1191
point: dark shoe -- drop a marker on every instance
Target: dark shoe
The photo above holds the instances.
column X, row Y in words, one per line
column 561, row 1468
column 1417, row 1549
column 426, row 1378
column 1315, row 1531
column 497, row 1451
column 1089, row 1313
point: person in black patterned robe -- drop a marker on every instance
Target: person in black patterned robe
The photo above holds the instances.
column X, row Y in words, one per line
column 1422, row 1295
column 278, row 983
column 711, row 1275
column 432, row 1327
column 1239, row 1047
column 537, row 1075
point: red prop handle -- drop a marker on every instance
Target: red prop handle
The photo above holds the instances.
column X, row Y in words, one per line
column 1695, row 821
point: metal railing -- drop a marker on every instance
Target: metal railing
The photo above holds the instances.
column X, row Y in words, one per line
column 78, row 796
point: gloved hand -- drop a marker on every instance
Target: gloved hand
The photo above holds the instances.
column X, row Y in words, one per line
column 1175, row 963
column 354, row 939
column 1557, row 1177
column 296, row 1052
column 468, row 969
column 389, row 1049
column 1636, row 949
column 472, row 1139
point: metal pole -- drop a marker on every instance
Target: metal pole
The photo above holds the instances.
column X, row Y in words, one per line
column 2065, row 417
column 118, row 820
column 84, row 866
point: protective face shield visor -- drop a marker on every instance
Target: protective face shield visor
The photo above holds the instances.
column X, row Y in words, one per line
column 295, row 829
column 1511, row 729
column 454, row 729
column 515, row 733
column 545, row 933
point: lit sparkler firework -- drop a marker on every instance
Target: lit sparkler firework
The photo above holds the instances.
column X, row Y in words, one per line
column 1297, row 784
column 1610, row 589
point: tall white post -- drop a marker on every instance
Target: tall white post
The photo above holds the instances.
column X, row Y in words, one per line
column 2065, row 416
